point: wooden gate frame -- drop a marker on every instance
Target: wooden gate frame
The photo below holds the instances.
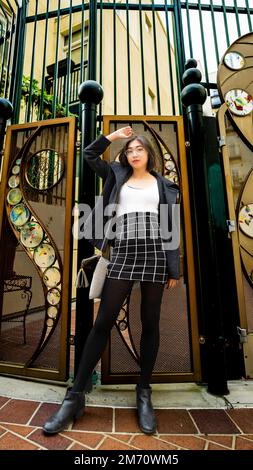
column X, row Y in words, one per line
column 195, row 375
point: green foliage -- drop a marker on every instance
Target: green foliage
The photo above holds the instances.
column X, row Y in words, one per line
column 35, row 90
column 2, row 83
column 38, row 99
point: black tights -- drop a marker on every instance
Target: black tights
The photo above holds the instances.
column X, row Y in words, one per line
column 113, row 296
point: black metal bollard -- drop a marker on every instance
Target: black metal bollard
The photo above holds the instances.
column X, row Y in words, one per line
column 202, row 138
column 90, row 94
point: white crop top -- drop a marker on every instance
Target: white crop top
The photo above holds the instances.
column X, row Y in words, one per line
column 133, row 199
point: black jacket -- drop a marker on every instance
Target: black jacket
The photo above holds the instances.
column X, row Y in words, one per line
column 114, row 175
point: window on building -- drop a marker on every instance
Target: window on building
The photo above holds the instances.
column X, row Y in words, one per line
column 76, row 45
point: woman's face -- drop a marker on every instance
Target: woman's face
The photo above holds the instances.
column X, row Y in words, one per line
column 137, row 155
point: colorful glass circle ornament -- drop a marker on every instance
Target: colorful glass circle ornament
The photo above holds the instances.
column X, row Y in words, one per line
column 50, row 322
column 52, row 312
column 44, row 255
column 16, row 169
column 19, row 215
column 31, row 235
column 13, row 181
column 52, row 277
column 122, row 325
column 234, row 60
column 246, row 220
column 53, row 296
column 14, row 196
column 239, row 102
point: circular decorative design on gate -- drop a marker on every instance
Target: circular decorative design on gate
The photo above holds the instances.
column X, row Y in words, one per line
column 44, row 255
column 16, row 170
column 234, row 60
column 239, row 102
column 50, row 322
column 44, row 169
column 31, row 235
column 53, row 296
column 19, row 215
column 246, row 220
column 52, row 312
column 14, row 196
column 13, row 181
column 52, row 277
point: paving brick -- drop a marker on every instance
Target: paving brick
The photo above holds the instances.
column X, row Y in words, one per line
column 212, row 446
column 243, row 418
column 89, row 439
column 95, row 419
column 243, row 444
column 174, row 422
column 2, row 430
column 18, row 429
column 3, row 400
column 44, row 412
column 54, row 442
column 186, row 442
column 18, row 411
column 11, row 442
column 151, row 443
column 126, row 420
column 213, row 422
column 121, row 437
column 113, row 444
column 223, row 440
column 78, row 447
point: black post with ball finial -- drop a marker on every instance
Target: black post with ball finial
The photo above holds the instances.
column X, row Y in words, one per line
column 6, row 110
column 90, row 94
column 204, row 168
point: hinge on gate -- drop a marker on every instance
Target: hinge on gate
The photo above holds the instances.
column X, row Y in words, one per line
column 71, row 340
column 187, row 143
column 231, row 225
column 78, row 144
column 242, row 334
column 221, row 141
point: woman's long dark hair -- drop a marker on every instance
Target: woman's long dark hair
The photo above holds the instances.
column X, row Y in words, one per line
column 147, row 146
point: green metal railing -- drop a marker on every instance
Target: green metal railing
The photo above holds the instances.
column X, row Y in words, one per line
column 156, row 39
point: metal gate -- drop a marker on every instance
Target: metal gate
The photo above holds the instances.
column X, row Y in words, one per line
column 136, row 50
column 35, row 246
column 178, row 358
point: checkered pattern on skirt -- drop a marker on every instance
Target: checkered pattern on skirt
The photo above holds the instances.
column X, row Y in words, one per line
column 138, row 253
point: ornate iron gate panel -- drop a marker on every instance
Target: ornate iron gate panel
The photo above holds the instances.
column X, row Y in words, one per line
column 178, row 357
column 36, row 248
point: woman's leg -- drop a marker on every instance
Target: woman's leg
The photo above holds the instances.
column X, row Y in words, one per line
column 113, row 296
column 151, row 299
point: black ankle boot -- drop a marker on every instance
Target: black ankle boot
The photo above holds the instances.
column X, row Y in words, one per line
column 71, row 409
column 146, row 414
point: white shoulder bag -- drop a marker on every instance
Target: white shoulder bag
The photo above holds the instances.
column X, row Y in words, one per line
column 98, row 278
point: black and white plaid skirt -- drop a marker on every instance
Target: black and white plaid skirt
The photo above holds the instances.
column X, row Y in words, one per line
column 138, row 253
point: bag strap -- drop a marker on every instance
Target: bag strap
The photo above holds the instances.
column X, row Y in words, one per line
column 81, row 279
column 106, row 252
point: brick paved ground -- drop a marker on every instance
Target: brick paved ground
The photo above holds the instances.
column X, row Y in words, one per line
column 116, row 428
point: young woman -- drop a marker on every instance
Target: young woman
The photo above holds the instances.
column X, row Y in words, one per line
column 140, row 253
